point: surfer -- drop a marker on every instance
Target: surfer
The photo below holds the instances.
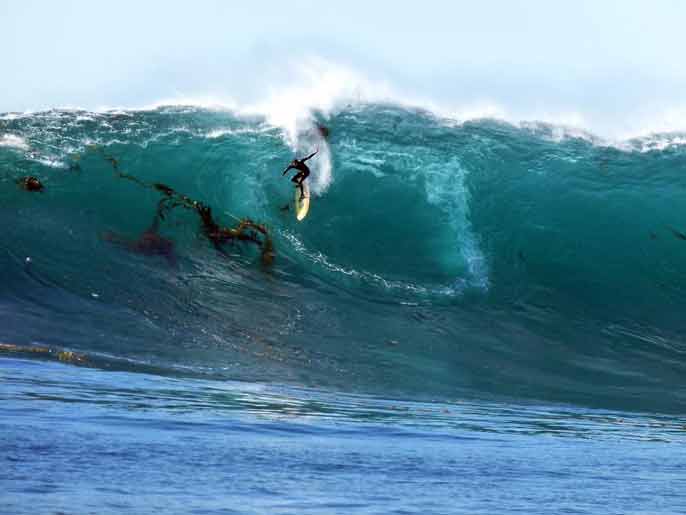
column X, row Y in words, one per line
column 303, row 172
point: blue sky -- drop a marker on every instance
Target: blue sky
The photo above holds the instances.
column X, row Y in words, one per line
column 611, row 62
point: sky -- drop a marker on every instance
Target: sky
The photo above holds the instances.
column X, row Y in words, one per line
column 604, row 65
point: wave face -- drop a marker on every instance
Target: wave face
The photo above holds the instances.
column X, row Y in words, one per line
column 439, row 260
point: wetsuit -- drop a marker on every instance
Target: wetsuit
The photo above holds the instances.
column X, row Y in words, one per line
column 303, row 172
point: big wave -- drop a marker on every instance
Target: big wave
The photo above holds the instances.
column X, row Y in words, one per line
column 439, row 259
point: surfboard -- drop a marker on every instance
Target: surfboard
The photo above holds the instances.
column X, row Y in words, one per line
column 302, row 206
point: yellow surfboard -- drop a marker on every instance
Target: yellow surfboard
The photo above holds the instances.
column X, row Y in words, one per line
column 302, row 206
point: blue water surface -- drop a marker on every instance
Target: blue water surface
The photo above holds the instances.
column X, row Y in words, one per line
column 77, row 440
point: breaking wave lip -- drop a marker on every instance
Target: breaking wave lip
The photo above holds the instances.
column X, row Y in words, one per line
column 13, row 141
column 314, row 85
column 219, row 133
column 554, row 129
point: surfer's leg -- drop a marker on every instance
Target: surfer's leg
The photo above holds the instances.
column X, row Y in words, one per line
column 305, row 175
column 298, row 179
column 302, row 190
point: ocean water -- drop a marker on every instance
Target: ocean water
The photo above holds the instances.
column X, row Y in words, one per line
column 475, row 317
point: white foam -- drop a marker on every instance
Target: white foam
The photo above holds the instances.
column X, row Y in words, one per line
column 52, row 162
column 307, row 141
column 559, row 132
column 656, row 142
column 318, row 85
column 13, row 141
column 368, row 277
column 445, row 188
column 315, row 85
column 219, row 133
column 12, row 116
column 179, row 102
column 645, row 124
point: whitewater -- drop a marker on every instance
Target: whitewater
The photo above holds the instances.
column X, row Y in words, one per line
column 466, row 286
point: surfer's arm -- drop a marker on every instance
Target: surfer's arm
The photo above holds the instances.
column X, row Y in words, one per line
column 290, row 167
column 310, row 156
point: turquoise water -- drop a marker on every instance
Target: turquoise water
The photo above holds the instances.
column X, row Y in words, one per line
column 474, row 317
